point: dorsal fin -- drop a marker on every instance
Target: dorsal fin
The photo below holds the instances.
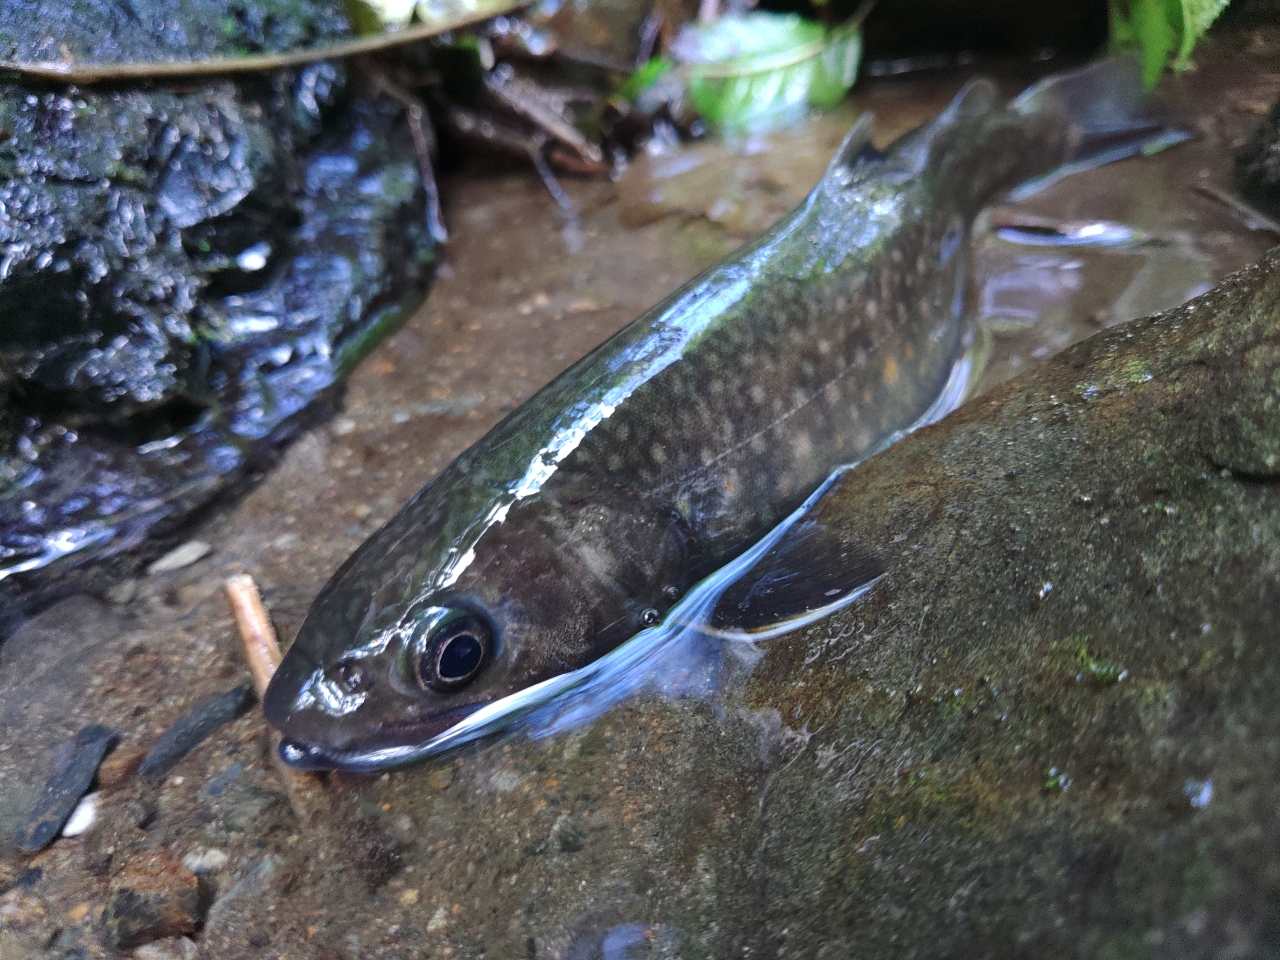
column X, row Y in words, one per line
column 855, row 148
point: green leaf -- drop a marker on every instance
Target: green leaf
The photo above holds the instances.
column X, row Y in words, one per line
column 1157, row 28
column 1197, row 17
column 375, row 16
column 645, row 77
column 760, row 71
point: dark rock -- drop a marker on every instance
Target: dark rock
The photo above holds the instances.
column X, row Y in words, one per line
column 190, row 730
column 209, row 263
column 373, row 853
column 159, row 30
column 152, row 896
column 922, row 28
column 1258, row 165
column 65, row 788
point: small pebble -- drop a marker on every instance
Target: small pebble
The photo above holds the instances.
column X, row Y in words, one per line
column 409, row 897
column 179, row 557
column 453, row 407
column 64, row 789
column 439, row 920
column 342, row 426
column 190, row 730
column 170, row 948
column 219, row 783
column 122, row 764
column 83, row 816
column 205, row 860
column 123, row 592
column 78, row 912
column 152, row 896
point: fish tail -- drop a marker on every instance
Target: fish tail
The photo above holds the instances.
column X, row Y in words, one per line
column 1104, row 106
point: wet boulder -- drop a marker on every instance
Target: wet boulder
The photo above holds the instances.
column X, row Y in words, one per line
column 187, row 269
column 1051, row 728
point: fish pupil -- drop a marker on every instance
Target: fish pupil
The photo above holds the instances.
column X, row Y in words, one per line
column 460, row 657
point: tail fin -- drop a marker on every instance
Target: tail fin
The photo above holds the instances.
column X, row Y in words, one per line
column 1104, row 102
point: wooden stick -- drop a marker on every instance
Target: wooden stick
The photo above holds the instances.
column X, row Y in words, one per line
column 307, row 793
column 261, row 648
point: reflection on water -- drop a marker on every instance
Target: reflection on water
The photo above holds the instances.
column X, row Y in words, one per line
column 1040, row 285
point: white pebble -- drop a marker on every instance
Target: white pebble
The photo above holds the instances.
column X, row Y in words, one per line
column 170, row 948
column 180, row 557
column 202, row 860
column 83, row 816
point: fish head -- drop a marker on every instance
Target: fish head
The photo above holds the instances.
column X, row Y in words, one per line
column 388, row 659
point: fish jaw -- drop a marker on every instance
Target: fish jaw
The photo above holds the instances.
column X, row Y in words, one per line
column 323, row 728
column 377, row 750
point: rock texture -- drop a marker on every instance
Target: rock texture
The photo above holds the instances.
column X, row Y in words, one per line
column 186, row 269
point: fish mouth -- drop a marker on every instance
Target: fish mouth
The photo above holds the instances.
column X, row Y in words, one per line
column 389, row 745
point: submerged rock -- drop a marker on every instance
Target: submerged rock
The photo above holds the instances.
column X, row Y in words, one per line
column 1258, row 165
column 65, row 788
column 191, row 729
column 1052, row 729
column 186, row 270
column 152, row 896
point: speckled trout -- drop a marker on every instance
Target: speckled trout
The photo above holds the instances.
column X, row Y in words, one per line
column 678, row 443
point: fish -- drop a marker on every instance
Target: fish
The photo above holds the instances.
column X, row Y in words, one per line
column 586, row 515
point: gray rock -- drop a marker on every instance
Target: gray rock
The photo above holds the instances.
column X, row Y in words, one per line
column 65, row 788
column 192, row 728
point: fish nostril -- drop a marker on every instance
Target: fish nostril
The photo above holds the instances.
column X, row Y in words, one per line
column 303, row 756
column 349, row 674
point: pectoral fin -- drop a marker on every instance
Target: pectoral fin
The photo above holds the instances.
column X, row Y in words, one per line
column 807, row 575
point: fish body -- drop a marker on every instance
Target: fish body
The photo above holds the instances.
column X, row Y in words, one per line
column 672, row 447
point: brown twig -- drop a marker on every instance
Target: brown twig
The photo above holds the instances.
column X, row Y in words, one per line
column 422, row 145
column 261, row 648
column 68, row 71
column 307, row 794
column 1250, row 216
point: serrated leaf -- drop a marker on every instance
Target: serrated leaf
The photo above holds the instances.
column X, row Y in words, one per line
column 1197, row 17
column 1158, row 28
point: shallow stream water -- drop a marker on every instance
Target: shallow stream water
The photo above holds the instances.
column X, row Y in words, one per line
column 563, row 847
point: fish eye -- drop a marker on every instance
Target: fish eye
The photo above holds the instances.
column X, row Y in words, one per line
column 453, row 651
